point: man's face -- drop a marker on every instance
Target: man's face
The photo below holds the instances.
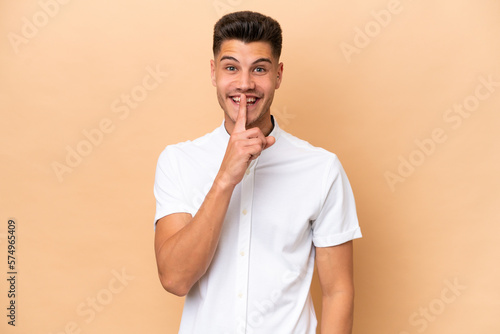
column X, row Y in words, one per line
column 250, row 69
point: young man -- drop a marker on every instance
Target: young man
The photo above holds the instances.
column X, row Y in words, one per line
column 244, row 211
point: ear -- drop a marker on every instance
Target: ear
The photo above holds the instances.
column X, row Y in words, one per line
column 212, row 72
column 279, row 76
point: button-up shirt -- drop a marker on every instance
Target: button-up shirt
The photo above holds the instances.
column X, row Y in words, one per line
column 293, row 197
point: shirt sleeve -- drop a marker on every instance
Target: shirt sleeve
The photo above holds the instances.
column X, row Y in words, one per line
column 168, row 192
column 337, row 221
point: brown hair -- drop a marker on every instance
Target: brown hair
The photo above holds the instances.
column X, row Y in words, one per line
column 247, row 27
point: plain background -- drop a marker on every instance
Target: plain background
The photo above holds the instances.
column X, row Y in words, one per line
column 428, row 208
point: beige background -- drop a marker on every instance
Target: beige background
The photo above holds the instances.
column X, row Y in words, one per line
column 425, row 227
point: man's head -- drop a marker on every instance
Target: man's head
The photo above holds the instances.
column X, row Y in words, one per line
column 247, row 47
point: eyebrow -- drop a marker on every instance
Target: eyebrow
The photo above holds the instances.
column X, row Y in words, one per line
column 267, row 60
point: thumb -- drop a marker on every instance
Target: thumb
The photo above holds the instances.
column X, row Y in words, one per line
column 270, row 140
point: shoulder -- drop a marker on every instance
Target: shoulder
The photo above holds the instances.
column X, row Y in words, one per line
column 302, row 147
column 192, row 147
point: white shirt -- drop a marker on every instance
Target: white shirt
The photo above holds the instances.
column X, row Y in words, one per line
column 293, row 198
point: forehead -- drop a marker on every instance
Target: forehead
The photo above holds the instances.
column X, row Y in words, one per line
column 245, row 51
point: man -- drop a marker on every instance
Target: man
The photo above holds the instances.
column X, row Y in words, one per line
column 244, row 211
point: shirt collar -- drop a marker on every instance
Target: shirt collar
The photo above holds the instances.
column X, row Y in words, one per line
column 275, row 132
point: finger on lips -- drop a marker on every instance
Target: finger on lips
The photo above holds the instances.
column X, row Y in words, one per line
column 255, row 135
column 241, row 119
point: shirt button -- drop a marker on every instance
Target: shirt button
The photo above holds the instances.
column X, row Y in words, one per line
column 247, row 171
column 242, row 253
column 244, row 211
column 240, row 295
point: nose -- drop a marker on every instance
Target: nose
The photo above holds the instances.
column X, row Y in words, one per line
column 245, row 81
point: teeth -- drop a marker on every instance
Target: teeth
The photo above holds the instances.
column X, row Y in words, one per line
column 249, row 99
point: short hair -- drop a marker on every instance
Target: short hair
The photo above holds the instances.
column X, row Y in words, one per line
column 248, row 26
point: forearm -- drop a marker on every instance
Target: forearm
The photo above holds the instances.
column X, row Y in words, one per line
column 185, row 256
column 337, row 313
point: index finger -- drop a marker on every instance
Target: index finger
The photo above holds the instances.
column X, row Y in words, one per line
column 241, row 120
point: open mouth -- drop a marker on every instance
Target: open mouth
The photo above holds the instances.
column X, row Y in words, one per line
column 251, row 100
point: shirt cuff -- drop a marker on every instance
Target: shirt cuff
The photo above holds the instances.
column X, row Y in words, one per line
column 336, row 239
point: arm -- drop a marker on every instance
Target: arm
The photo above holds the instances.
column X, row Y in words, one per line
column 335, row 272
column 185, row 245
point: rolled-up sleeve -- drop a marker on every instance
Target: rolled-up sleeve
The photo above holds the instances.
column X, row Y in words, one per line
column 337, row 221
column 168, row 189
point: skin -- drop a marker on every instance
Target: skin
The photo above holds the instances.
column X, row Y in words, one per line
column 185, row 245
column 249, row 69
column 335, row 272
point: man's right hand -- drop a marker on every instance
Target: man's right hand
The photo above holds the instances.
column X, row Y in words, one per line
column 243, row 147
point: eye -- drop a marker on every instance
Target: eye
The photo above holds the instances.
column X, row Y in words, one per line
column 230, row 68
column 260, row 70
